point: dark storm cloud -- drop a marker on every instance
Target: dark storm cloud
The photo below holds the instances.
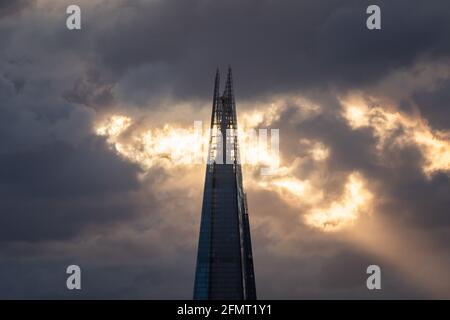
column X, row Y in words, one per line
column 56, row 178
column 172, row 47
column 349, row 149
column 54, row 191
column 434, row 105
column 295, row 44
column 91, row 91
column 64, row 170
column 53, row 172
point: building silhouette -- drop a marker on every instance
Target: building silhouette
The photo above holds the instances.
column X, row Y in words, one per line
column 224, row 260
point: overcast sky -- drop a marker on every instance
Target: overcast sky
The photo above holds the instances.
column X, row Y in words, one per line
column 364, row 124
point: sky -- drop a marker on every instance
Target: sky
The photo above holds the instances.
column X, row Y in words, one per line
column 97, row 135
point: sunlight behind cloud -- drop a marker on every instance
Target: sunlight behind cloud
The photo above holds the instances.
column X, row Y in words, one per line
column 161, row 146
column 293, row 190
column 343, row 212
column 399, row 130
column 113, row 127
column 176, row 146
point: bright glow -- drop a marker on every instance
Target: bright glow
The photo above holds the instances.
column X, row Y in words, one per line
column 436, row 151
column 343, row 212
column 256, row 151
column 258, row 117
column 113, row 126
column 398, row 130
column 178, row 146
column 357, row 115
column 149, row 148
column 296, row 191
column 292, row 185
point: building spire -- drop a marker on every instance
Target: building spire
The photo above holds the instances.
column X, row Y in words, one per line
column 229, row 85
column 224, row 268
column 215, row 96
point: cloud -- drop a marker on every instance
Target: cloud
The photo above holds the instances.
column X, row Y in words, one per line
column 54, row 192
column 13, row 7
column 329, row 47
column 433, row 104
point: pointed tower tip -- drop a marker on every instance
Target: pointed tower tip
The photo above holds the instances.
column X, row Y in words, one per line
column 217, row 80
column 230, row 75
column 216, row 88
column 217, row 73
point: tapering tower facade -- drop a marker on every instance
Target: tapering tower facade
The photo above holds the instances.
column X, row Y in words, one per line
column 224, row 259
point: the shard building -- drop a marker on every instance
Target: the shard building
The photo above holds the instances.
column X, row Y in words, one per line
column 224, row 261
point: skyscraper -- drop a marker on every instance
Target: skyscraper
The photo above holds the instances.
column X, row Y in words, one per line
column 224, row 260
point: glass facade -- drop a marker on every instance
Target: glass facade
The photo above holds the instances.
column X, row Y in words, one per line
column 224, row 261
